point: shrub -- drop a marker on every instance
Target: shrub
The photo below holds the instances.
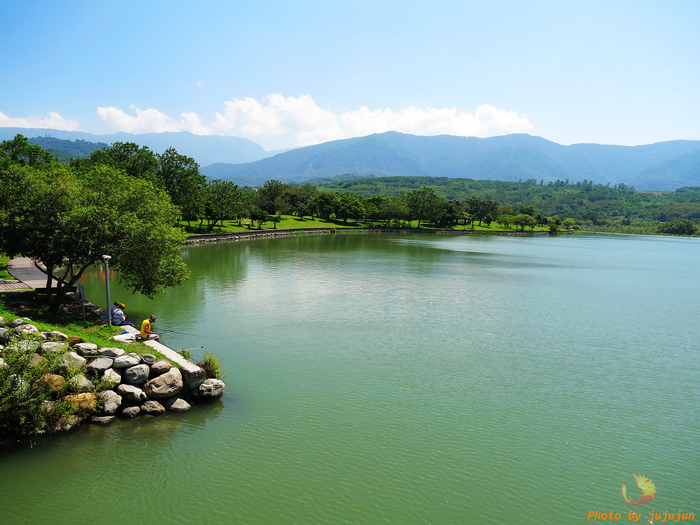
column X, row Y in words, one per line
column 211, row 364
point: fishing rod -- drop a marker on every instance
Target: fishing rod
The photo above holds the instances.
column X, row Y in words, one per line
column 179, row 332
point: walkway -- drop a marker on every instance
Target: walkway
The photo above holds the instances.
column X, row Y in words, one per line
column 25, row 270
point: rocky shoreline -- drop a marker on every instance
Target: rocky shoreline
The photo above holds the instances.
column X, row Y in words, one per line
column 99, row 383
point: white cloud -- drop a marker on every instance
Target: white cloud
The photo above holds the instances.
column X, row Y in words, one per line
column 283, row 122
column 149, row 121
column 53, row 121
column 302, row 119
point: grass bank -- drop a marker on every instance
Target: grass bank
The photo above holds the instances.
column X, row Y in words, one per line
column 4, row 259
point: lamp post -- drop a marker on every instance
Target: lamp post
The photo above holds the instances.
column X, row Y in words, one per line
column 105, row 259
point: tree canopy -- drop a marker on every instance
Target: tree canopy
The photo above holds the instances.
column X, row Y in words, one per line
column 69, row 219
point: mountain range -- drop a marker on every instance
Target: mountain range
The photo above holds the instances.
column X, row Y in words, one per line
column 663, row 166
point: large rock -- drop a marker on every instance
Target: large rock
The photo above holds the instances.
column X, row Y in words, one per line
column 127, row 360
column 153, row 408
column 2, row 363
column 49, row 383
column 76, row 339
column 211, row 388
column 86, row 349
column 111, row 401
column 55, row 335
column 84, row 402
column 35, row 360
column 136, row 375
column 166, row 385
column 109, row 351
column 7, row 335
column 112, row 376
column 160, row 367
column 54, row 347
column 25, row 345
column 131, row 394
column 70, row 360
column 28, row 328
column 102, row 420
column 99, row 365
column 176, row 404
column 131, row 411
column 80, row 383
column 17, row 322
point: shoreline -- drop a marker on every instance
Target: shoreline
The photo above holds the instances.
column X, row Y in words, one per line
column 255, row 234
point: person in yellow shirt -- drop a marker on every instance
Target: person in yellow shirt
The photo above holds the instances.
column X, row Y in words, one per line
column 146, row 333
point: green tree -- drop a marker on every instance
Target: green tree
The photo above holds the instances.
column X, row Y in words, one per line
column 70, row 221
column 20, row 151
column 480, row 208
column 135, row 161
column 523, row 220
column 348, row 206
column 259, row 216
column 677, row 227
column 179, row 176
column 422, row 204
column 266, row 196
column 222, row 203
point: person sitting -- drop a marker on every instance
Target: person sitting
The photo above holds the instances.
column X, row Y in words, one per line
column 118, row 316
column 146, row 333
column 113, row 307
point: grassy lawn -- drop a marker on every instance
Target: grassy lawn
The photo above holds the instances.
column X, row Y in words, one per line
column 32, row 305
column 291, row 222
column 3, row 267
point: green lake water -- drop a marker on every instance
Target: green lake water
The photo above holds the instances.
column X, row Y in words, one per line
column 402, row 379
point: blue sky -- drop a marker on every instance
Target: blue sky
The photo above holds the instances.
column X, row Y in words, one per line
column 291, row 73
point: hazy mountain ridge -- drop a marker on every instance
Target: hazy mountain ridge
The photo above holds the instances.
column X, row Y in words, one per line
column 660, row 166
column 205, row 149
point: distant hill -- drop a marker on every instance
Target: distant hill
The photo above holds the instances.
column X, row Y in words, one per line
column 203, row 149
column 660, row 166
column 65, row 149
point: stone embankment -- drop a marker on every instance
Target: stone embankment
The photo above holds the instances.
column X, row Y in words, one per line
column 256, row 234
column 101, row 383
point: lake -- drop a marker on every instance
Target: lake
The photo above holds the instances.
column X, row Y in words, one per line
column 402, row 379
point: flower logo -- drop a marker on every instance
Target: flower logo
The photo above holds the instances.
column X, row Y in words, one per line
column 647, row 486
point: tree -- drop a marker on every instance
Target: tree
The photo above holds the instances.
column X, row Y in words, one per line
column 258, row 215
column 677, row 227
column 266, row 196
column 422, row 203
column 480, row 208
column 297, row 199
column 394, row 209
column 222, row 201
column 135, row 161
column 524, row 220
column 179, row 176
column 20, row 151
column 69, row 221
column 348, row 206
column 569, row 224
